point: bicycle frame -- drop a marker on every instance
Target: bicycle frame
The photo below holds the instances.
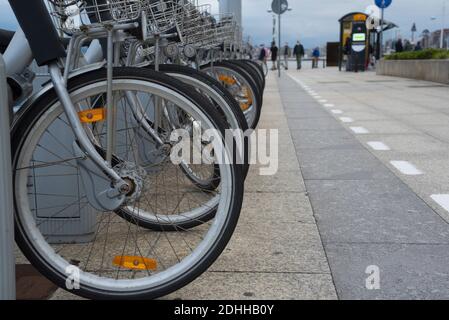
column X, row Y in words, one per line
column 19, row 55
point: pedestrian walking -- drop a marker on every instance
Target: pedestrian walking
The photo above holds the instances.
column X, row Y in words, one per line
column 298, row 52
column 286, row 53
column 316, row 57
column 263, row 54
column 399, row 46
column 274, row 55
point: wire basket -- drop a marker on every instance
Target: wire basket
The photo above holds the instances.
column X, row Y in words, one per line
column 163, row 15
column 72, row 15
column 195, row 25
column 226, row 28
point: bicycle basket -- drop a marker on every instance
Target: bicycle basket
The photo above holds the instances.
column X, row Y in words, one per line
column 72, row 15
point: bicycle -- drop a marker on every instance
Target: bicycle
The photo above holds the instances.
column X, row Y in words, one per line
column 84, row 147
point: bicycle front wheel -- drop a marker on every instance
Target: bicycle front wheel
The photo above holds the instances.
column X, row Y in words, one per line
column 109, row 257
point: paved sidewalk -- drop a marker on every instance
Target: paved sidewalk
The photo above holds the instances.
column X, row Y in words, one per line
column 374, row 152
column 276, row 251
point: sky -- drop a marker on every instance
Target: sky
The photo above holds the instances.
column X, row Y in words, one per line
column 314, row 22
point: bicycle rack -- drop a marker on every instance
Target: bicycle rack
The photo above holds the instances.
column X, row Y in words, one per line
column 7, row 259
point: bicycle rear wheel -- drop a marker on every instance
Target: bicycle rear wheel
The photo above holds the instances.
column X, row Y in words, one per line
column 242, row 86
column 221, row 98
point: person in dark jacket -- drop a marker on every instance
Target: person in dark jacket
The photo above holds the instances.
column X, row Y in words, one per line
column 399, row 45
column 316, row 57
column 263, row 55
column 274, row 55
column 298, row 52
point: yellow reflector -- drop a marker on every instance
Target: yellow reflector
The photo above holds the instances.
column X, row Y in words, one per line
column 227, row 80
column 135, row 263
column 92, row 115
column 245, row 105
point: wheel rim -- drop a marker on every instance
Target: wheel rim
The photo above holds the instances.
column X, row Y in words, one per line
column 50, row 254
column 237, row 89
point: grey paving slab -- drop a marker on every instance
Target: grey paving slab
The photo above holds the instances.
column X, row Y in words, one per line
column 318, row 139
column 341, row 164
column 439, row 132
column 406, row 271
column 374, row 211
column 430, row 119
column 290, row 208
column 283, row 181
column 259, row 286
column 260, row 245
column 306, row 113
column 324, row 123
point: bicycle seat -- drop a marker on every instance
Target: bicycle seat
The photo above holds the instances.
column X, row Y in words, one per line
column 5, row 39
column 7, row 35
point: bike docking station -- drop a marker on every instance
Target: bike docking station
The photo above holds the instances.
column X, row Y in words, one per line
column 7, row 260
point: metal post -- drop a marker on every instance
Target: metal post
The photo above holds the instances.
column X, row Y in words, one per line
column 443, row 22
column 7, row 261
column 111, row 109
column 381, row 38
column 279, row 39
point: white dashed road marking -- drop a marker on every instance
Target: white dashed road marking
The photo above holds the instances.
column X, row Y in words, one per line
column 329, row 105
column 379, row 146
column 337, row 111
column 442, row 200
column 359, row 130
column 346, row 120
column 406, row 168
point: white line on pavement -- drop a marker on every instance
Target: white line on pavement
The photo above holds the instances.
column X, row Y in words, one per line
column 379, row 146
column 442, row 200
column 359, row 130
column 329, row 105
column 322, row 101
column 337, row 111
column 346, row 120
column 406, row 168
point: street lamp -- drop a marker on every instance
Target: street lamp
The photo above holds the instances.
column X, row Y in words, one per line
column 443, row 23
column 274, row 25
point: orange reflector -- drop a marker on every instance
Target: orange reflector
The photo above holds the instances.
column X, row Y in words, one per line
column 92, row 115
column 245, row 105
column 227, row 80
column 135, row 263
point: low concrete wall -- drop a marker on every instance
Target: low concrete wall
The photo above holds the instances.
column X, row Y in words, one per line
column 429, row 70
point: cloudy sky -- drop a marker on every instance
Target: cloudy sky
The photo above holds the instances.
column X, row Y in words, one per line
column 313, row 21
column 316, row 21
